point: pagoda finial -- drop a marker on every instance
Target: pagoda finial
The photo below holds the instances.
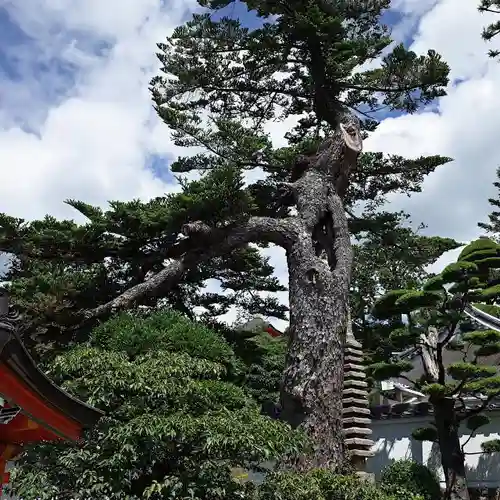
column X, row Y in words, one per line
column 8, row 316
column 4, row 301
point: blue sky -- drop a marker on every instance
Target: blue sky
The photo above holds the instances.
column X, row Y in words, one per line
column 76, row 119
column 54, row 78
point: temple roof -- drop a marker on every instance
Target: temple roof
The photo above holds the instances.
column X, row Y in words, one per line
column 23, row 385
column 420, row 409
column 258, row 324
column 15, row 357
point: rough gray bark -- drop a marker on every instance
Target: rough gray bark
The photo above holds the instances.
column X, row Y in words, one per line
column 211, row 242
column 452, row 456
column 319, row 257
column 446, row 420
column 429, row 347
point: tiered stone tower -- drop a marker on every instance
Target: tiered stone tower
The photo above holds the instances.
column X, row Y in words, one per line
column 356, row 406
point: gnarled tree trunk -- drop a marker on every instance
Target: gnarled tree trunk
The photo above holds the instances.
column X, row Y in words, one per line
column 446, row 421
column 319, row 258
column 311, row 395
column 452, row 457
column 319, row 267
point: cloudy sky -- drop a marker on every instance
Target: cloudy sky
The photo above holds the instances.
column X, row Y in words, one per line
column 76, row 119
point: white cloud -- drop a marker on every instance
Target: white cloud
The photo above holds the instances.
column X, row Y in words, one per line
column 445, row 259
column 454, row 30
column 95, row 127
column 93, row 142
column 465, row 126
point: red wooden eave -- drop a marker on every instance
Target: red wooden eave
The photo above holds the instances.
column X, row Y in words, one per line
column 46, row 412
column 273, row 331
column 57, row 423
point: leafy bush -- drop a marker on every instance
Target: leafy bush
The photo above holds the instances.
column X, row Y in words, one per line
column 175, row 424
column 322, row 485
column 168, row 330
column 414, row 476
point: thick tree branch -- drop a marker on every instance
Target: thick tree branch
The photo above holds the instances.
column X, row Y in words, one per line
column 204, row 243
column 429, row 353
column 372, row 88
column 493, row 11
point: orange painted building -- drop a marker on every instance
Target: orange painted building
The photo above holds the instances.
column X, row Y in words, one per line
column 32, row 408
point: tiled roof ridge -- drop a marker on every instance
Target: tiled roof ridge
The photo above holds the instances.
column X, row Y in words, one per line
column 266, row 326
column 473, row 313
column 420, row 409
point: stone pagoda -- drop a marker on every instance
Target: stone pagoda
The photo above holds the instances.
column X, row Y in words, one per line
column 357, row 428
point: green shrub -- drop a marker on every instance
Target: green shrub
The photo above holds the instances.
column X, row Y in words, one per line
column 322, row 485
column 166, row 330
column 414, row 476
column 176, row 426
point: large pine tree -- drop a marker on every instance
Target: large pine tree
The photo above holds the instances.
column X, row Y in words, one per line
column 222, row 83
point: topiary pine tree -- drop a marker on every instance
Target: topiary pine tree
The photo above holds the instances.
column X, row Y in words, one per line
column 436, row 322
column 493, row 226
column 385, row 261
column 492, row 30
column 221, row 88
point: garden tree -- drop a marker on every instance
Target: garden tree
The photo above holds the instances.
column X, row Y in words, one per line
column 61, row 268
column 493, row 226
column 176, row 425
column 323, row 485
column 415, row 476
column 264, row 360
column 493, row 29
column 436, row 322
column 220, row 90
column 384, row 261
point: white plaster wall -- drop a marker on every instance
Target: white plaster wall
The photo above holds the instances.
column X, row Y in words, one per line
column 393, row 441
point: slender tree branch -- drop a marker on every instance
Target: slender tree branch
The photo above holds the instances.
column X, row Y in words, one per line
column 369, row 88
column 404, row 377
column 457, row 391
column 363, row 113
column 472, row 434
column 449, row 335
column 483, row 9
